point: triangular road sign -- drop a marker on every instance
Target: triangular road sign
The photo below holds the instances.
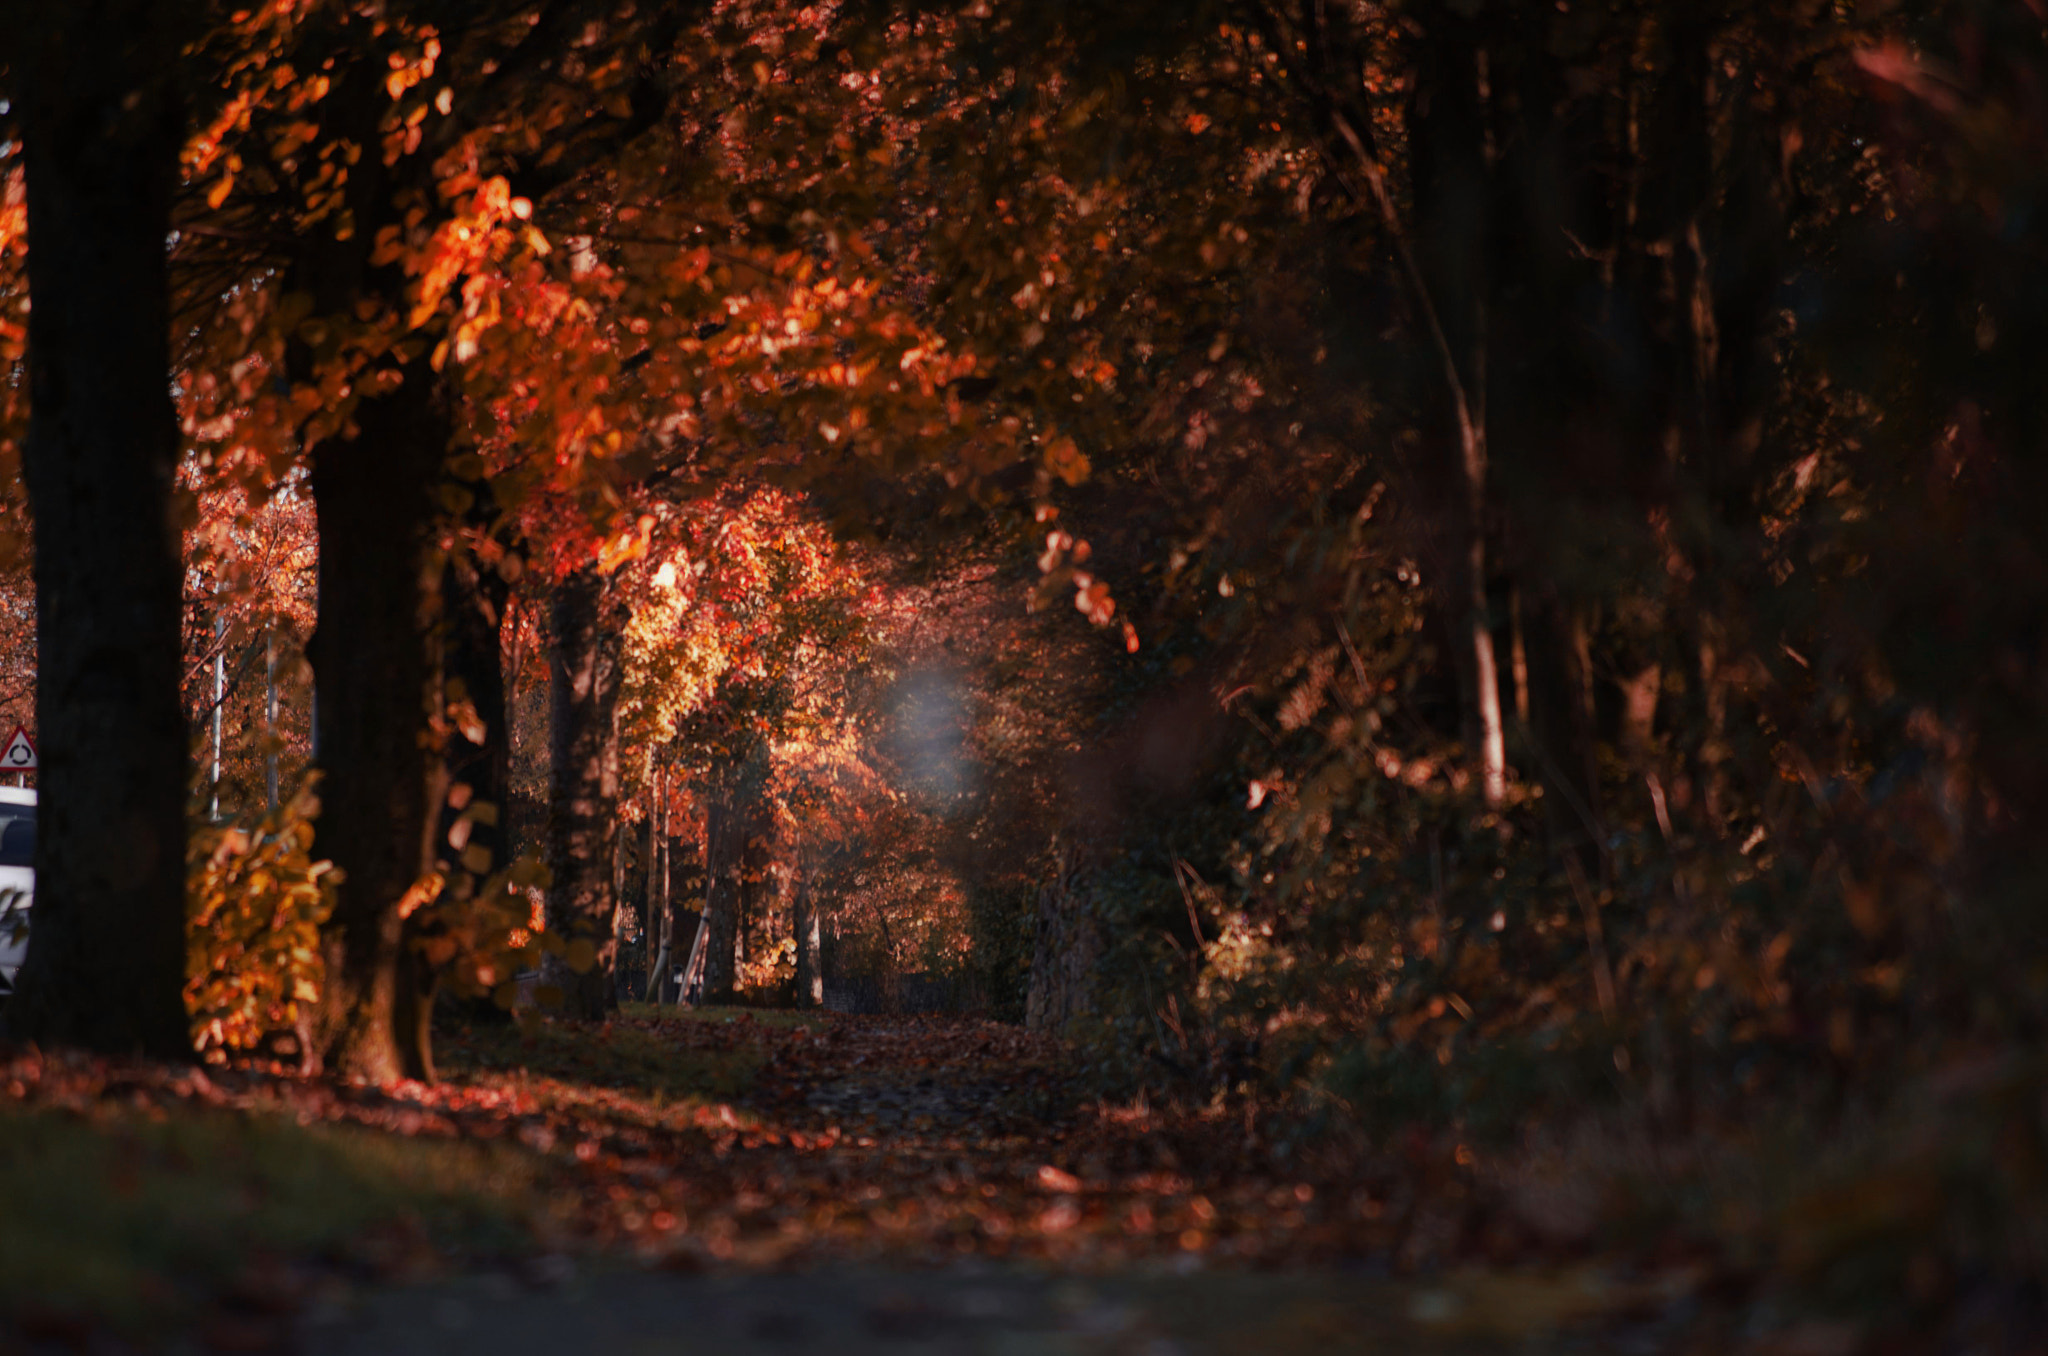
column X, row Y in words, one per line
column 20, row 753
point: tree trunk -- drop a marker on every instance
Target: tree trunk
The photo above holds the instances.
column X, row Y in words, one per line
column 753, row 884
column 476, row 746
column 622, row 911
column 1493, row 752
column 1563, row 730
column 656, row 919
column 1067, row 945
column 1453, row 192
column 479, row 750
column 375, row 655
column 721, row 902
column 106, row 961
column 810, row 977
column 375, row 651
column 584, row 787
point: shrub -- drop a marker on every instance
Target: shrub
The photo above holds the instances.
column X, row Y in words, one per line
column 255, row 900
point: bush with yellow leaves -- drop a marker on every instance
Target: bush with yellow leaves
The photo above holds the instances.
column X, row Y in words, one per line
column 255, row 900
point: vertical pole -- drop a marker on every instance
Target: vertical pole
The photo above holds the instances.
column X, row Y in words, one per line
column 220, row 678
column 621, row 989
column 664, row 910
column 270, row 716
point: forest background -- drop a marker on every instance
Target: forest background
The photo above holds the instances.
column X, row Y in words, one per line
column 1553, row 492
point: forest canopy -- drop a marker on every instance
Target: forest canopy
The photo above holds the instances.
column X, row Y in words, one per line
column 1446, row 561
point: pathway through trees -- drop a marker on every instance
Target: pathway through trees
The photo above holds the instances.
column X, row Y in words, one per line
column 734, row 1181
column 940, row 1184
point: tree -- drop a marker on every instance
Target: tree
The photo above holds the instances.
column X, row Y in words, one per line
column 583, row 798
column 359, row 181
column 747, row 626
column 103, row 125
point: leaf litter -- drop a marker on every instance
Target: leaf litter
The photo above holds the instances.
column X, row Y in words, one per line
column 751, row 1143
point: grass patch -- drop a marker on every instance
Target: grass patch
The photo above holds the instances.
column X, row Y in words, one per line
column 131, row 1214
column 781, row 1019
column 649, row 1057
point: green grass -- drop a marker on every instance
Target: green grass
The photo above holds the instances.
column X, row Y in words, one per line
column 128, row 1215
column 784, row 1019
column 661, row 1064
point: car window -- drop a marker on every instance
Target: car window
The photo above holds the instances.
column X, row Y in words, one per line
column 18, row 836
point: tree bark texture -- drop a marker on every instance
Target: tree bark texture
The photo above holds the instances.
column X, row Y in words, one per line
column 1067, row 944
column 106, row 963
column 375, row 659
column 584, row 786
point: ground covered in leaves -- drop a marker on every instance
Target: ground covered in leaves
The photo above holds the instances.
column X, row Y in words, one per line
column 629, row 1166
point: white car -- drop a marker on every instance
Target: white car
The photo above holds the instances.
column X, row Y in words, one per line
column 17, row 879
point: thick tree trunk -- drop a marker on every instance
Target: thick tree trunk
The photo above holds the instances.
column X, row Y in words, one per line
column 376, row 649
column 375, row 656
column 584, row 787
column 106, row 961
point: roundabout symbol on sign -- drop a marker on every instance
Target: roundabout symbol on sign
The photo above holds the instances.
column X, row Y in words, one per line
column 20, row 753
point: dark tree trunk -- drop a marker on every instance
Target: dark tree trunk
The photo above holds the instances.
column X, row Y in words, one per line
column 375, row 658
column 622, row 844
column 106, row 962
column 1562, row 731
column 584, row 786
column 660, row 930
column 754, row 886
column 479, row 753
column 375, row 651
column 1453, row 193
column 474, row 835
column 1068, row 942
column 721, row 898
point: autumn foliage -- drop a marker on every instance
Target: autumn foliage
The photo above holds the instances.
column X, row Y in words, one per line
column 257, row 899
column 1449, row 570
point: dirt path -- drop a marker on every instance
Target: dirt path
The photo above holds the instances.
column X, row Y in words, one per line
column 754, row 1182
column 732, row 1183
column 932, row 1140
column 939, row 1186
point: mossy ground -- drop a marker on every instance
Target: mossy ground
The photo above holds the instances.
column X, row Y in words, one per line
column 648, row 1052
column 134, row 1214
